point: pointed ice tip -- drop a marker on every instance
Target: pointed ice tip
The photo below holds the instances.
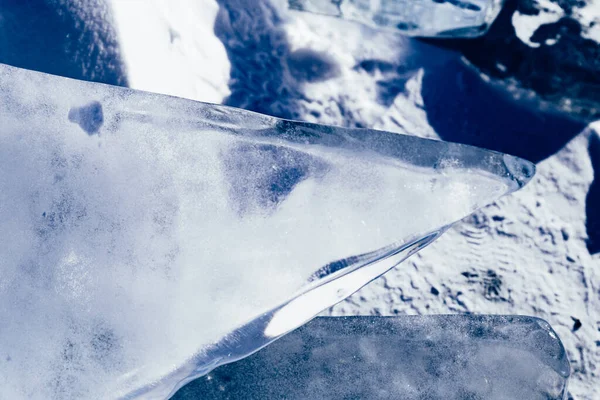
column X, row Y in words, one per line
column 520, row 169
column 202, row 218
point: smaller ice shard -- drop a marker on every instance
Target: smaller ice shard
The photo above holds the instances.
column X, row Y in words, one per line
column 441, row 18
column 449, row 357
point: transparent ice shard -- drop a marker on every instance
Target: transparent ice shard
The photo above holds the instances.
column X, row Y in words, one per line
column 147, row 239
column 410, row 358
column 435, row 18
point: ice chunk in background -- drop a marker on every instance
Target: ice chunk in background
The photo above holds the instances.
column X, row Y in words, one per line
column 411, row 357
column 441, row 18
column 148, row 239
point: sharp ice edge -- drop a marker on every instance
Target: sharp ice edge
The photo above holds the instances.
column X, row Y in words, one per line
column 141, row 232
column 468, row 18
column 450, row 357
column 331, row 288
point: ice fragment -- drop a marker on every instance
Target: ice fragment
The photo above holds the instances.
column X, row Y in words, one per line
column 147, row 239
column 441, row 18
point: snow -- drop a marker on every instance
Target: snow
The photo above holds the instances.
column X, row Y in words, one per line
column 169, row 47
column 586, row 13
column 589, row 18
column 526, row 25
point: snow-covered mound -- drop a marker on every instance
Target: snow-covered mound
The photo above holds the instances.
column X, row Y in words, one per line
column 169, row 47
column 73, row 38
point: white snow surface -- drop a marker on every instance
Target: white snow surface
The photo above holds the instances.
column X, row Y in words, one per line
column 169, row 47
column 589, row 17
column 524, row 254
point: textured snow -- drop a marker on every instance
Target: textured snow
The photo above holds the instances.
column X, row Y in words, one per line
column 526, row 254
column 589, row 17
column 526, row 25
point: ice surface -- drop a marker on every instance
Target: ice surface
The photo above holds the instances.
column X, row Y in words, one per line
column 445, row 18
column 147, row 239
column 430, row 357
